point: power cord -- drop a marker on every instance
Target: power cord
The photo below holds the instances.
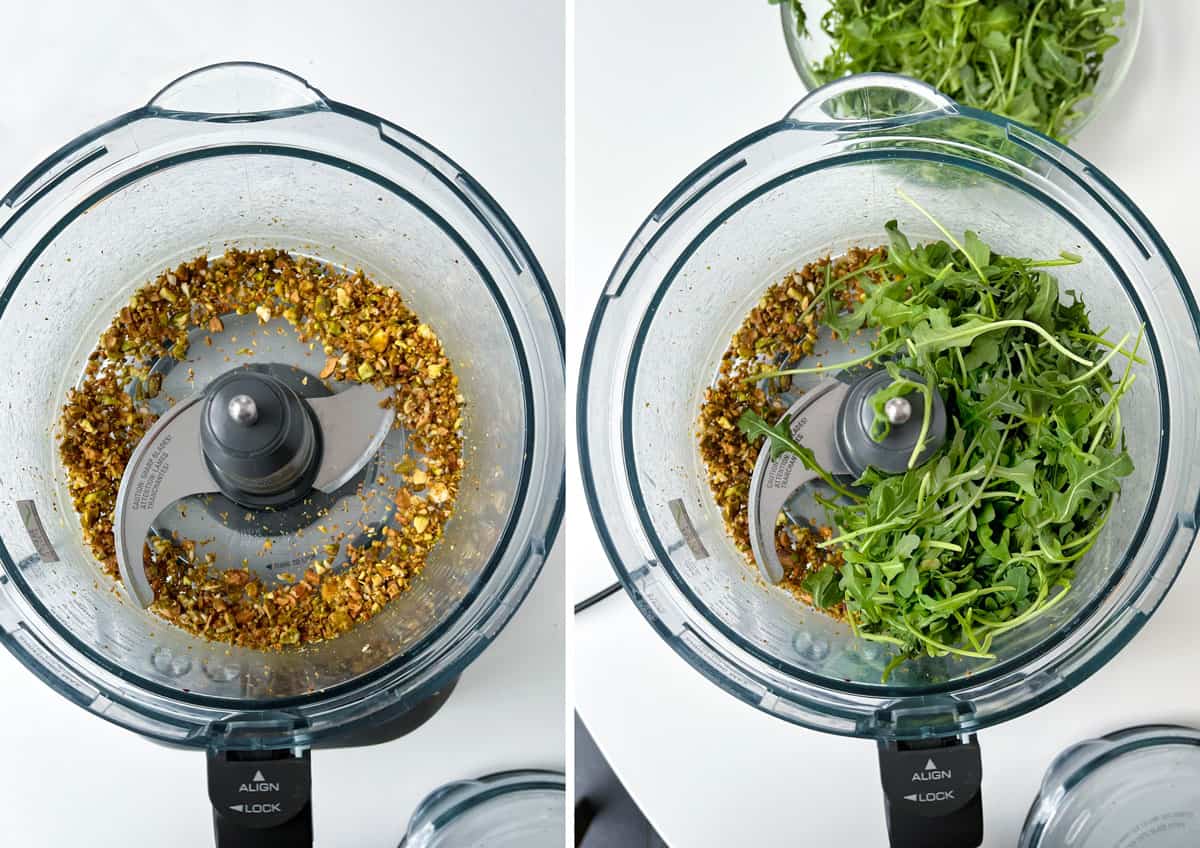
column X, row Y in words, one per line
column 592, row 600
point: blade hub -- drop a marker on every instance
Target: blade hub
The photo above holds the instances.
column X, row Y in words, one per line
column 891, row 454
column 260, row 438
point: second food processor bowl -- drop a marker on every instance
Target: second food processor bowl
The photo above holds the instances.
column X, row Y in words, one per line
column 820, row 181
column 249, row 156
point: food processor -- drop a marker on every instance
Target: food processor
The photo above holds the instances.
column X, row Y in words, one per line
column 814, row 184
column 248, row 156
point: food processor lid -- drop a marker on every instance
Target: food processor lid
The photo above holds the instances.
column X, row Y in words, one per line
column 1135, row 788
column 514, row 809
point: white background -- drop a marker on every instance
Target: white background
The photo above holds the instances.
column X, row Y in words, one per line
column 660, row 87
column 484, row 82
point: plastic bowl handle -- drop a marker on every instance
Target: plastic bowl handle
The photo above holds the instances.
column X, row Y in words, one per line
column 871, row 98
column 233, row 90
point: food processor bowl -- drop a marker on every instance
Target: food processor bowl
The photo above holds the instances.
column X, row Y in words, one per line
column 248, row 156
column 808, row 49
column 814, row 184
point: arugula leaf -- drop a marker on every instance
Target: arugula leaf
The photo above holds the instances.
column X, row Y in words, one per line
column 781, row 440
column 978, row 252
column 987, row 535
column 1089, row 474
column 824, row 588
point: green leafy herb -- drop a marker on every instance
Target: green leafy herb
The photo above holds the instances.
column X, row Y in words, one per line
column 1034, row 61
column 782, row 441
column 984, row 536
column 823, row 586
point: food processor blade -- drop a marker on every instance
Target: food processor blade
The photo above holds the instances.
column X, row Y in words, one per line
column 835, row 420
column 166, row 466
column 777, row 479
column 186, row 454
column 353, row 424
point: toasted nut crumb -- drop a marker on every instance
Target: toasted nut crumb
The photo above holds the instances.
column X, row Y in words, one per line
column 369, row 332
column 782, row 328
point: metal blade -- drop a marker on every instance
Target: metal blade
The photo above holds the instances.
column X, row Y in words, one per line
column 774, row 482
column 353, row 425
column 166, row 465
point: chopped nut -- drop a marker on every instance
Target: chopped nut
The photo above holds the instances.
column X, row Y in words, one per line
column 781, row 328
column 370, row 332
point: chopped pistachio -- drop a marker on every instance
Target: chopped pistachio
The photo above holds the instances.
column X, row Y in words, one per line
column 372, row 333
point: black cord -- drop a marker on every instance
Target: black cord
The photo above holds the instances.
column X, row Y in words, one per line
column 597, row 598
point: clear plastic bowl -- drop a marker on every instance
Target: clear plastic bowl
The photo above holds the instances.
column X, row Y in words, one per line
column 809, row 50
column 819, row 181
column 1136, row 788
column 512, row 809
column 248, row 155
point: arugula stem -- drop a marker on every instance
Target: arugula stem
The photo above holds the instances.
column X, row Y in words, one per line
column 879, row 637
column 822, row 369
column 830, row 286
column 1126, row 381
column 926, row 418
column 934, row 643
column 974, row 331
column 900, row 191
column 1054, row 263
column 1100, row 363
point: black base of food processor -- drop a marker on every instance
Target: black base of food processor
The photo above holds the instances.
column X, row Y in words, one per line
column 931, row 792
column 393, row 726
column 263, row 799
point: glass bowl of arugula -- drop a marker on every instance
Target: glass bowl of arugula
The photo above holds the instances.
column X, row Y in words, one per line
column 1014, row 561
column 1050, row 64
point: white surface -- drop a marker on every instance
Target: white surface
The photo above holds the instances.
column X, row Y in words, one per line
column 660, row 87
column 482, row 81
